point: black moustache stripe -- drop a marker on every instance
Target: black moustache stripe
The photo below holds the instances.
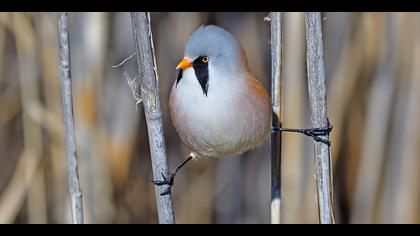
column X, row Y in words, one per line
column 201, row 70
column 179, row 77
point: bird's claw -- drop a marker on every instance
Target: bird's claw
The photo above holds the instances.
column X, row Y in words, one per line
column 161, row 182
column 315, row 133
column 321, row 140
column 166, row 181
column 167, row 191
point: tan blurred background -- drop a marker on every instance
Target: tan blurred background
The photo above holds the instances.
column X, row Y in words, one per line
column 373, row 75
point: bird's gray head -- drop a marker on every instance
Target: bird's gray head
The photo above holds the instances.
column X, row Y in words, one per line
column 220, row 46
column 213, row 48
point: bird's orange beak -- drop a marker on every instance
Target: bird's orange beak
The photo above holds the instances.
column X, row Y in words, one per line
column 184, row 64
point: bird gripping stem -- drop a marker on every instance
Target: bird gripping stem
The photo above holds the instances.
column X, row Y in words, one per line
column 315, row 133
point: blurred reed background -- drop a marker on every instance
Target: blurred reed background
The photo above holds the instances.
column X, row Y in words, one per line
column 373, row 74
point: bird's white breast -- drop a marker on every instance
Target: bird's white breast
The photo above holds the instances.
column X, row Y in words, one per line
column 226, row 122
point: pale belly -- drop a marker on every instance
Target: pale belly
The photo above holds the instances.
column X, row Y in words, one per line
column 221, row 124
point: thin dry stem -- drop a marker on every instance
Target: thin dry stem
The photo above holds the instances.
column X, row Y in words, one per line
column 67, row 100
column 319, row 118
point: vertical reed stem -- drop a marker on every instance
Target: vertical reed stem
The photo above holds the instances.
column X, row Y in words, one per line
column 149, row 87
column 318, row 103
column 276, row 99
column 67, row 100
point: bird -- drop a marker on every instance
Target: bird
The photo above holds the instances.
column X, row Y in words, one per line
column 217, row 105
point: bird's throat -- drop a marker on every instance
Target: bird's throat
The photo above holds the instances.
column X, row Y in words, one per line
column 201, row 71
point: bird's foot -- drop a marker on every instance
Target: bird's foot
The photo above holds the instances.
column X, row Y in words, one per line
column 170, row 180
column 315, row 133
column 166, row 181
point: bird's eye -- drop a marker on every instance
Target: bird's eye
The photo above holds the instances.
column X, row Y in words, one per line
column 205, row 59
